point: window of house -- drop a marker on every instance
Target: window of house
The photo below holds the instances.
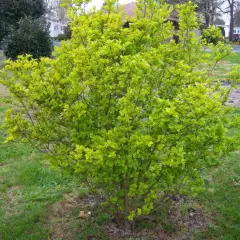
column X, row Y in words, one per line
column 238, row 31
column 234, row 31
column 62, row 28
column 56, row 27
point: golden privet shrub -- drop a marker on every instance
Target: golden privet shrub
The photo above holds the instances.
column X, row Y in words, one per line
column 128, row 110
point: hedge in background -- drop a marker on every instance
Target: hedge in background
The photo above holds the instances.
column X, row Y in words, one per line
column 213, row 35
column 126, row 109
column 30, row 37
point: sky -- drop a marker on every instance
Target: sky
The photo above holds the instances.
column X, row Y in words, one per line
column 225, row 17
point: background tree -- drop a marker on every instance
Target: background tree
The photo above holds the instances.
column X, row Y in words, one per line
column 53, row 4
column 230, row 10
column 54, row 8
column 209, row 10
column 237, row 15
column 229, row 7
column 12, row 11
column 219, row 21
column 30, row 37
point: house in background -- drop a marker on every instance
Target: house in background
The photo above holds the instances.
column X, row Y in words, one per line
column 236, row 33
column 57, row 27
column 58, row 20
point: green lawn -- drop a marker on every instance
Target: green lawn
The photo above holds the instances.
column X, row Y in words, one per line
column 221, row 70
column 235, row 59
column 29, row 190
column 222, row 199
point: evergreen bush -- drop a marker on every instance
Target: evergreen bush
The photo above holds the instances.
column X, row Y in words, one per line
column 31, row 36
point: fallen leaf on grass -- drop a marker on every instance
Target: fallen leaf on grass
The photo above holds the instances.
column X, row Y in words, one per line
column 84, row 214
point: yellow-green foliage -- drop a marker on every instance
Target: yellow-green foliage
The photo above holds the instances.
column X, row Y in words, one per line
column 212, row 35
column 125, row 108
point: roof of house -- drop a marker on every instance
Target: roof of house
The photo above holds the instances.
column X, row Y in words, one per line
column 130, row 9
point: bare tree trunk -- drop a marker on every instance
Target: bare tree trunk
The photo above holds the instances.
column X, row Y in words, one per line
column 231, row 5
column 207, row 19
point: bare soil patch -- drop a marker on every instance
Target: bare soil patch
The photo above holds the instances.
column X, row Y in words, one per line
column 63, row 220
column 183, row 219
